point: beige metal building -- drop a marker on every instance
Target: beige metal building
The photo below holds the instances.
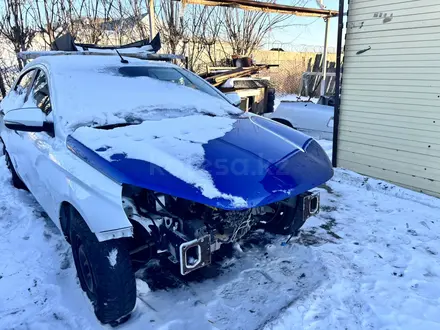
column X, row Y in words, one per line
column 389, row 119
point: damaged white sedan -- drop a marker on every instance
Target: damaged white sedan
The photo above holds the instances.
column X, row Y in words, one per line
column 134, row 158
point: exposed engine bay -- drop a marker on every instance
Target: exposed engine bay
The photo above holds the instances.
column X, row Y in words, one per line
column 190, row 232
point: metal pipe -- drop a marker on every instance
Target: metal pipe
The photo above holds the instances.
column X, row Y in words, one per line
column 338, row 84
column 324, row 59
column 267, row 7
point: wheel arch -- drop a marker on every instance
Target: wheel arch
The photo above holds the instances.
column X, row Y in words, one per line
column 2, row 147
column 67, row 210
column 65, row 215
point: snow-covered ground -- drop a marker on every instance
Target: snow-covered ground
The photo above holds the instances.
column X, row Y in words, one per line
column 369, row 260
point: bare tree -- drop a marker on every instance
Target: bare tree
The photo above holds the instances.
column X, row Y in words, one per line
column 138, row 14
column 116, row 24
column 91, row 16
column 206, row 35
column 15, row 26
column 187, row 30
column 213, row 38
column 127, row 22
column 50, row 19
column 3, row 76
column 245, row 30
column 8, row 66
column 2, row 85
column 197, row 34
column 210, row 35
column 168, row 22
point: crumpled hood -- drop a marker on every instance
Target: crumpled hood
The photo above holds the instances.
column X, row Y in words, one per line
column 253, row 163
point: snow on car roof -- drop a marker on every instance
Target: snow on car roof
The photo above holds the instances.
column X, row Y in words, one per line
column 89, row 90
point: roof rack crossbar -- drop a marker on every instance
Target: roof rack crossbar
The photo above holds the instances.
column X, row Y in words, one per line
column 29, row 55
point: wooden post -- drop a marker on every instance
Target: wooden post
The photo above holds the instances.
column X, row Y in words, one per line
column 151, row 19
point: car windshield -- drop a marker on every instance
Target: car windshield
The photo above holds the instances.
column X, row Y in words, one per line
column 168, row 74
column 99, row 90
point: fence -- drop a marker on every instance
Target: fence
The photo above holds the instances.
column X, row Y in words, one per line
column 287, row 78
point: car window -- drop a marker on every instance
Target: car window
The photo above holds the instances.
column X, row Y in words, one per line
column 40, row 93
column 24, row 82
column 168, row 74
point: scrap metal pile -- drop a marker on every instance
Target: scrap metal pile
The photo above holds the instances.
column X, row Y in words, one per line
column 243, row 78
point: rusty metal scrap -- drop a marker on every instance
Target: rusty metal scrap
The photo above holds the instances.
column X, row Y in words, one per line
column 220, row 78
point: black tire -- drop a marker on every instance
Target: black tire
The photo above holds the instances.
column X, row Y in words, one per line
column 286, row 221
column 16, row 181
column 270, row 100
column 110, row 288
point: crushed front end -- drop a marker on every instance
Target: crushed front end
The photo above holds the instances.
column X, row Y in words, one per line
column 190, row 232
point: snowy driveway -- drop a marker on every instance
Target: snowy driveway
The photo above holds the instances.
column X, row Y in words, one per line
column 368, row 261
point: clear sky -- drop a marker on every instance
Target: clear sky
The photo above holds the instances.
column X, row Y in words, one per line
column 306, row 31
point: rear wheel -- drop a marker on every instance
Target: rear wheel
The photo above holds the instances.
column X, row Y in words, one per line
column 105, row 273
column 16, row 181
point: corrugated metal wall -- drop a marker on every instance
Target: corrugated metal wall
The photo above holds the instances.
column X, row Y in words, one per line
column 390, row 104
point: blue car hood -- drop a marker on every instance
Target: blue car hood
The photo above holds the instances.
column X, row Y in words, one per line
column 258, row 160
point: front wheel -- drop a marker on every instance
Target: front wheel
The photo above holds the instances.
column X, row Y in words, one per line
column 105, row 273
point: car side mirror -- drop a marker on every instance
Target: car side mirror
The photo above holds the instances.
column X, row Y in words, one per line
column 27, row 120
column 234, row 98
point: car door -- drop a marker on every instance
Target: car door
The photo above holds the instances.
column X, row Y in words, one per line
column 36, row 163
column 13, row 139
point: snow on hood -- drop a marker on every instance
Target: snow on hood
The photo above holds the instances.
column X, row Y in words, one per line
column 175, row 144
column 89, row 92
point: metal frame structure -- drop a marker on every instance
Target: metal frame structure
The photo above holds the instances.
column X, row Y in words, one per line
column 324, row 57
column 267, row 7
column 338, row 84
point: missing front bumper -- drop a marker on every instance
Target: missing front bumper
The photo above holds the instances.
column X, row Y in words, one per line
column 308, row 204
column 195, row 254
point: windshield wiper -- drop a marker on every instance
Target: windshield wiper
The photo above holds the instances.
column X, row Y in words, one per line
column 111, row 126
